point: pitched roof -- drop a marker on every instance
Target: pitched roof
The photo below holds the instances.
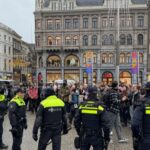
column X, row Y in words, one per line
column 89, row 2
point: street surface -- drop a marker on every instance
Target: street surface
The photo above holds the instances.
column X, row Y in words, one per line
column 67, row 140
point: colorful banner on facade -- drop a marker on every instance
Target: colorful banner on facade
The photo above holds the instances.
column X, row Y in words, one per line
column 89, row 62
column 134, row 62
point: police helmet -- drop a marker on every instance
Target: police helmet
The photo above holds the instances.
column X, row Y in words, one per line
column 49, row 92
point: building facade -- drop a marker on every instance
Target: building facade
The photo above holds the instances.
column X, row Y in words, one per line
column 66, row 30
column 6, row 52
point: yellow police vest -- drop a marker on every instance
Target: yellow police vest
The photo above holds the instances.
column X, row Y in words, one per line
column 88, row 108
column 52, row 101
column 147, row 110
column 2, row 97
column 18, row 100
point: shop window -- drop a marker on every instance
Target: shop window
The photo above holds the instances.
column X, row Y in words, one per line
column 125, row 77
column 107, row 77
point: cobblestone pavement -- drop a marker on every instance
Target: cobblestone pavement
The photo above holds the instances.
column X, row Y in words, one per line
column 67, row 140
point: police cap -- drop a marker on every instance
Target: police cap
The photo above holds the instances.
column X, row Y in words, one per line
column 49, row 92
column 92, row 90
column 19, row 90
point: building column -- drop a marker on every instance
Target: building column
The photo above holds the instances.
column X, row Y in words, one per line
column 81, row 76
column 62, row 70
column 98, row 75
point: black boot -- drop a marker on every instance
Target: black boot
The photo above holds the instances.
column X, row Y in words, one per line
column 3, row 146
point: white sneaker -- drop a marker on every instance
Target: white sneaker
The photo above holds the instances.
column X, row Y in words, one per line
column 123, row 141
column 111, row 141
column 111, row 133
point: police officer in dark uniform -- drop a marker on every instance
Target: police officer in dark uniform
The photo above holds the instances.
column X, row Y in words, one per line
column 17, row 117
column 141, row 123
column 92, row 123
column 3, row 109
column 51, row 117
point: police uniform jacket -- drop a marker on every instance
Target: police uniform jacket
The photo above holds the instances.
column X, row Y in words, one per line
column 141, row 120
column 17, row 112
column 91, row 116
column 51, row 114
column 3, row 106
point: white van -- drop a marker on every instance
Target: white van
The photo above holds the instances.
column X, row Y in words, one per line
column 69, row 82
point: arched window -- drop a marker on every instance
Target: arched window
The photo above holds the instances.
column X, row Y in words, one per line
column 50, row 40
column 94, row 40
column 53, row 61
column 71, row 61
column 111, row 39
column 75, row 40
column 110, row 59
column 104, row 58
column 122, row 58
column 67, row 40
column 129, row 39
column 122, row 39
column 85, row 40
column 128, row 58
column 58, row 41
column 141, row 58
column 125, row 77
column 105, row 40
column 40, row 62
column 140, row 39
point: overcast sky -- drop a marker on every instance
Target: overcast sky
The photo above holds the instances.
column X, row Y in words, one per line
column 18, row 15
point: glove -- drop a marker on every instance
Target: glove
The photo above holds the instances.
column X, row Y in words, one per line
column 65, row 131
column 14, row 132
column 35, row 137
column 25, row 126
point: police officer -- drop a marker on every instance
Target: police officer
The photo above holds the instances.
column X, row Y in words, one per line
column 141, row 123
column 3, row 109
column 51, row 117
column 90, row 119
column 17, row 117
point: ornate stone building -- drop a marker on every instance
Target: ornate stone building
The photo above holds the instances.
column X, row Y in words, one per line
column 66, row 29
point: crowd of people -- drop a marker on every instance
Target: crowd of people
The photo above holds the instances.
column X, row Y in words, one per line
column 92, row 108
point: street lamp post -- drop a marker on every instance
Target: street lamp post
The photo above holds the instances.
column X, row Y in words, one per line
column 118, row 41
